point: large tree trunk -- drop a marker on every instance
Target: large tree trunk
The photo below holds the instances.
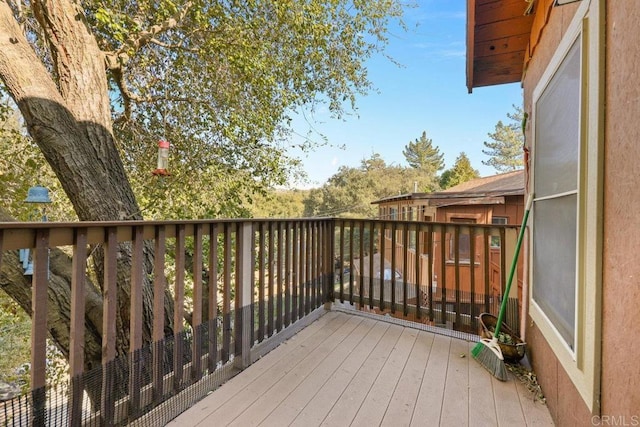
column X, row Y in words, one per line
column 70, row 120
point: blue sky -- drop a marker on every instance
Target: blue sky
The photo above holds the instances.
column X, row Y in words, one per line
column 428, row 93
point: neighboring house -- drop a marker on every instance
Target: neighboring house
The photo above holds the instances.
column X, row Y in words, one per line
column 577, row 61
column 495, row 199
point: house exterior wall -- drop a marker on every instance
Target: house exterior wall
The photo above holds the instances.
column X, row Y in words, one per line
column 512, row 209
column 619, row 400
column 563, row 399
column 621, row 270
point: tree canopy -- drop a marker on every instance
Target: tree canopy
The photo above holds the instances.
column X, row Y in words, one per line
column 350, row 191
column 421, row 154
column 219, row 80
column 505, row 147
column 462, row 171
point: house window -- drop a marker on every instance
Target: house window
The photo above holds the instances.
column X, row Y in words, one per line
column 498, row 220
column 464, row 242
column 555, row 209
column 393, row 213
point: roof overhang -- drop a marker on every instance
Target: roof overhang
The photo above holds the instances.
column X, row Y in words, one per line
column 497, row 41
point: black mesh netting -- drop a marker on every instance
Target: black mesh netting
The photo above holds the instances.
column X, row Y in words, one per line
column 148, row 387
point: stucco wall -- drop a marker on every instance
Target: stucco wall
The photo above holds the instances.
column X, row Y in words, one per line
column 620, row 377
column 621, row 259
column 564, row 401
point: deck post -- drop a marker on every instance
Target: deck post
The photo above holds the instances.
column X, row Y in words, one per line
column 244, row 294
column 329, row 267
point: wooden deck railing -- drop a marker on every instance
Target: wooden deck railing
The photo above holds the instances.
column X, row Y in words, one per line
column 232, row 288
column 437, row 273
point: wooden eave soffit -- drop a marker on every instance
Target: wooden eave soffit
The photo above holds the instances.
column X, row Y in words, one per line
column 498, row 40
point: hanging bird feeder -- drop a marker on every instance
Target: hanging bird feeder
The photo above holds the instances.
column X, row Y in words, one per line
column 163, row 159
column 39, row 196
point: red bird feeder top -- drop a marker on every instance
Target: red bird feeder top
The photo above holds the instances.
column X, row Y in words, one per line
column 163, row 159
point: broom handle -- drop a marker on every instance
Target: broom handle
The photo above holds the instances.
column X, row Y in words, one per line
column 514, row 263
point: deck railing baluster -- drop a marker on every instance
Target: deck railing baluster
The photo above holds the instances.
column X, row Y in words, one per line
column 456, row 274
column 226, row 292
column 383, row 255
column 158, row 312
column 431, row 255
column 76, row 351
column 371, row 259
column 472, row 278
column 394, row 231
column 442, row 280
column 196, row 369
column 340, row 263
column 351, row 264
column 280, row 277
column 308, row 277
column 295, row 282
column 261, row 281
column 110, row 289
column 418, row 271
column 271, row 290
column 178, row 310
column 405, row 269
column 212, row 327
column 137, row 306
column 287, row 274
column 243, row 294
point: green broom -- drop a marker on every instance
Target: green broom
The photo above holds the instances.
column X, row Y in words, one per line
column 487, row 352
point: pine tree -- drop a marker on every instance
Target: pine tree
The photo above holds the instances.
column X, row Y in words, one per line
column 422, row 154
column 462, row 171
column 505, row 149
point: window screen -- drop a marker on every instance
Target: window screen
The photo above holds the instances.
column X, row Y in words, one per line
column 556, row 159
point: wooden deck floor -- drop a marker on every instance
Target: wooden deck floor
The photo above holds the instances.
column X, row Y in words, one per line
column 347, row 370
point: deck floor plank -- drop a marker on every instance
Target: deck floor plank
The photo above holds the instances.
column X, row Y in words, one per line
column 253, row 407
column 375, row 404
column 300, row 396
column 351, row 399
column 404, row 397
column 429, row 402
column 482, row 409
column 535, row 413
column 313, row 414
column 508, row 409
column 269, row 369
column 346, row 370
column 455, row 404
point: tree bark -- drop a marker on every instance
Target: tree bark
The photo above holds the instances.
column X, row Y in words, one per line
column 70, row 120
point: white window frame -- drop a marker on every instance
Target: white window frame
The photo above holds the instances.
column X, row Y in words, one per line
column 582, row 363
column 497, row 220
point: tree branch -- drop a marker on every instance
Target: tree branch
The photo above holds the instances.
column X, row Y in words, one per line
column 116, row 60
column 171, row 46
column 136, row 41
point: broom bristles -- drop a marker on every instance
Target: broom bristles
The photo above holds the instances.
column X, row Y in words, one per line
column 488, row 354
